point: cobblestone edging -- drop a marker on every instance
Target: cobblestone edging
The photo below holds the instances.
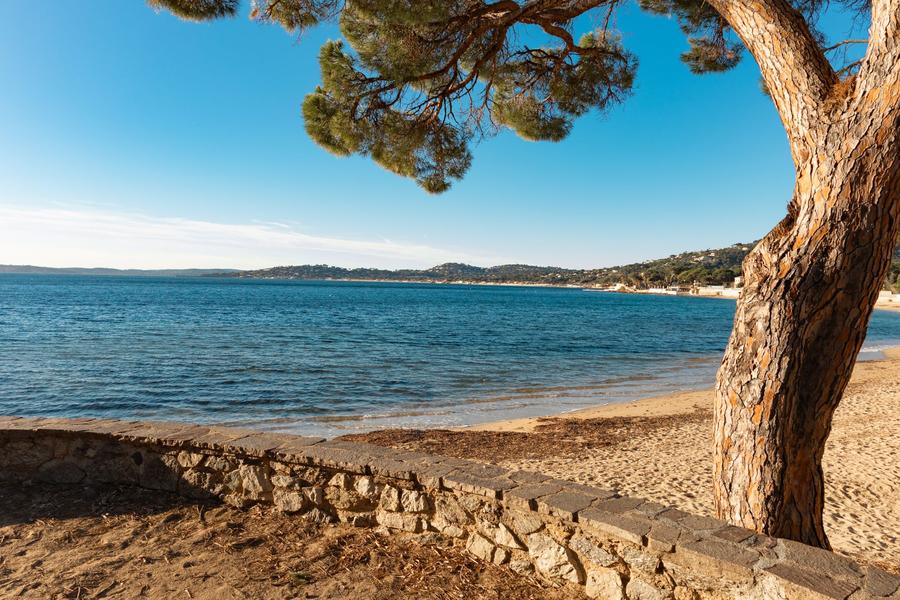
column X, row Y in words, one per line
column 615, row 547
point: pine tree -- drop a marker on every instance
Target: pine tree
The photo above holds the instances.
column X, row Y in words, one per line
column 415, row 82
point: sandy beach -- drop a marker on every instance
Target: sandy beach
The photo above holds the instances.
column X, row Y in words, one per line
column 661, row 448
column 891, row 306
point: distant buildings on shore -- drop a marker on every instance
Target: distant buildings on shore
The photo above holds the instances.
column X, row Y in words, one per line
column 722, row 291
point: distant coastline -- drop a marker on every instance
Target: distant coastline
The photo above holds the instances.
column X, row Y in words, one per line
column 101, row 271
column 712, row 273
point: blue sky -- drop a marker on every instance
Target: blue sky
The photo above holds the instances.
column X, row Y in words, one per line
column 129, row 138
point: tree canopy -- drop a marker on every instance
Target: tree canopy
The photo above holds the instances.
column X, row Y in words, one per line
column 414, row 82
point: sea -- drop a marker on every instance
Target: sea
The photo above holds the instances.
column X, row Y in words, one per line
column 334, row 357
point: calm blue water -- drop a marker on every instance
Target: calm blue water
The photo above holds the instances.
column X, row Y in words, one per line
column 331, row 357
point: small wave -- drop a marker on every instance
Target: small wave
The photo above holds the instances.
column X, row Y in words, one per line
column 880, row 347
column 400, row 414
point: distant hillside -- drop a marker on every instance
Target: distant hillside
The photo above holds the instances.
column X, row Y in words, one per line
column 32, row 270
column 707, row 267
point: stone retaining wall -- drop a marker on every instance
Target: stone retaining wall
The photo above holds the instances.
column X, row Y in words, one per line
column 615, row 547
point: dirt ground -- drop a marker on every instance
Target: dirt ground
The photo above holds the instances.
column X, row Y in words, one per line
column 119, row 542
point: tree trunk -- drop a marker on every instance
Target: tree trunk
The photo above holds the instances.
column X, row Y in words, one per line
column 809, row 289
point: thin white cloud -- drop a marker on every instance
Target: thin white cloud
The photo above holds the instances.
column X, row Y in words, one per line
column 88, row 237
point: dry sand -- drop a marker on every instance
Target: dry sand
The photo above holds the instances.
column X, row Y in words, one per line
column 661, row 449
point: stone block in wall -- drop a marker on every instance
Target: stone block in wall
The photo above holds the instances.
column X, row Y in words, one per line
column 684, row 593
column 26, row 454
column 189, row 460
column 218, row 438
column 296, row 449
column 222, row 464
column 365, row 486
column 200, row 484
column 448, row 529
column 256, row 483
column 402, row 521
column 480, row 547
column 640, row 560
column 638, row 589
column 504, row 536
column 287, row 482
column 315, row 494
column 432, row 477
column 450, row 518
column 663, row 537
column 108, row 427
column 520, row 563
column 881, row 584
column 182, row 438
column 604, row 584
column 588, row 490
column 317, row 515
column 501, row 556
column 619, row 505
column 525, row 497
column 289, row 500
column 651, row 509
column 627, row 527
column 159, row 472
column 817, row 559
column 564, row 504
column 347, row 500
column 389, row 467
column 311, row 476
column 231, row 481
column 341, row 480
column 59, row 470
column 553, row 559
column 390, row 499
column 492, row 487
column 357, row 519
column 805, row 584
column 735, row 535
column 714, row 559
column 701, row 523
column 110, row 466
column 522, row 523
column 336, row 458
column 413, row 501
column 591, row 551
column 258, row 444
column 528, row 477
column 481, row 508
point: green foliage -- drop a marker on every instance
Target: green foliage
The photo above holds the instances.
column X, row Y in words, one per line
column 346, row 115
column 540, row 94
column 295, row 15
column 197, row 10
column 396, row 95
column 415, row 82
column 709, row 56
column 713, row 47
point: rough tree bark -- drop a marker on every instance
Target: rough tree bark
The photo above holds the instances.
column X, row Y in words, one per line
column 810, row 285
